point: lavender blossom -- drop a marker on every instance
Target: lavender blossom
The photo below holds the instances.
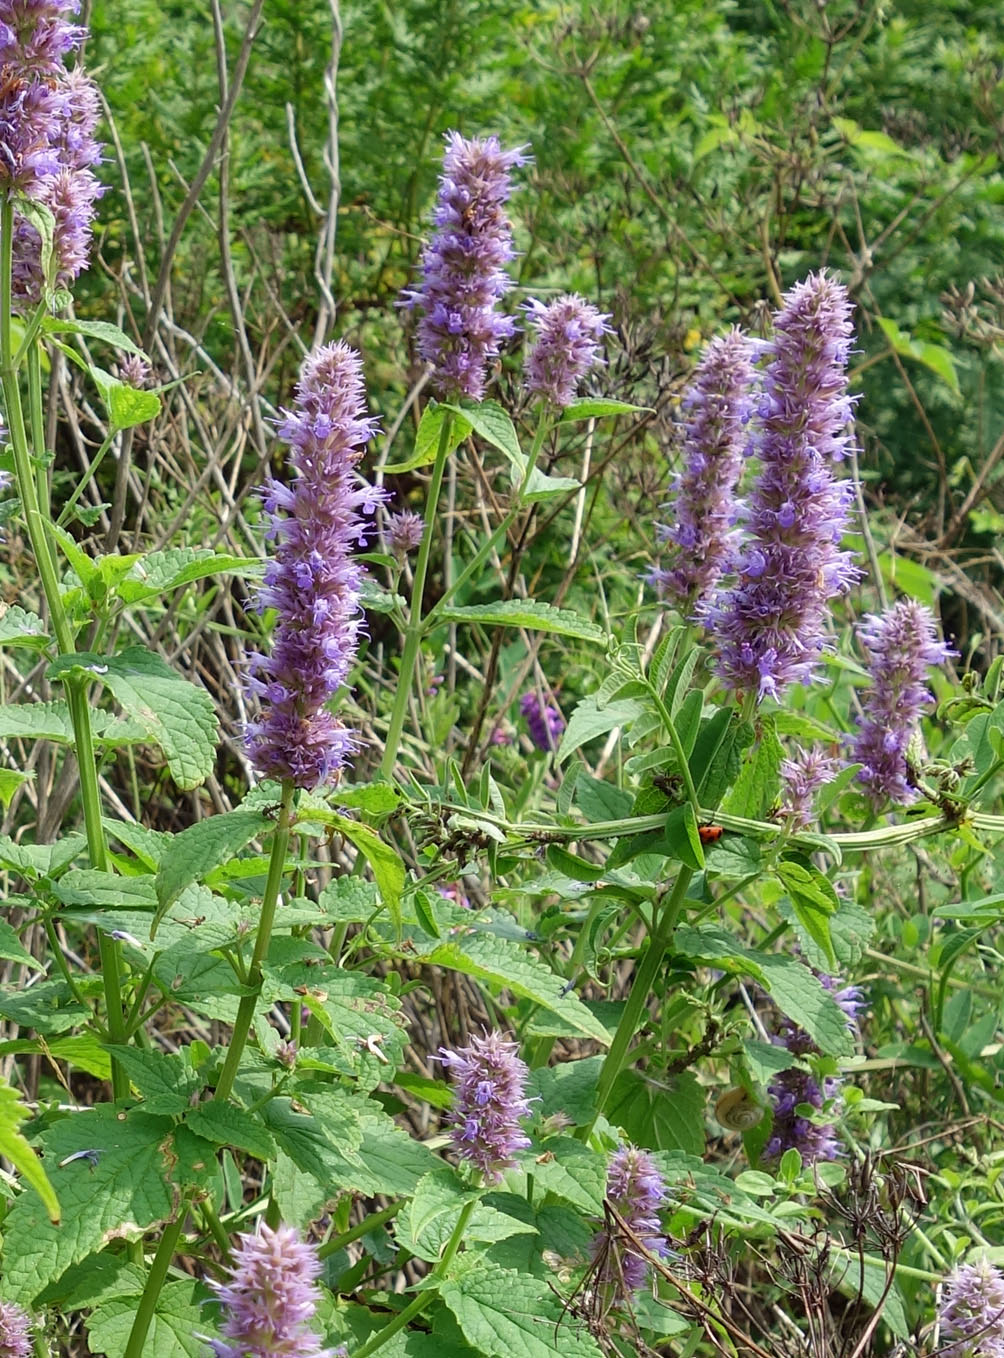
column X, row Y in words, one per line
column 313, row 581
column 544, row 721
column 270, row 1298
column 134, row 370
column 901, row 644
column 717, row 407
column 791, row 1130
column 404, row 532
column 569, row 333
column 972, row 1312
column 803, row 773
column 489, row 1083
column 769, row 625
column 637, row 1191
column 15, row 1331
column 463, row 266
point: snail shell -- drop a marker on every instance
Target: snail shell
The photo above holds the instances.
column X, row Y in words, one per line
column 738, row 1110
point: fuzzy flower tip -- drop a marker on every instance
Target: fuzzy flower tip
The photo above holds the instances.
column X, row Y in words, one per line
column 47, row 148
column 312, row 581
column 489, row 1082
column 270, row 1298
column 901, row 644
column 15, row 1331
column 717, row 410
column 972, row 1312
column 803, row 773
column 463, row 266
column 637, row 1191
column 543, row 720
column 769, row 625
column 404, row 531
column 570, row 331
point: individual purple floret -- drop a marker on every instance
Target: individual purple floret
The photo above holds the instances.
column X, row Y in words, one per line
column 803, row 773
column 543, row 720
column 570, row 332
column 15, row 1331
column 313, row 582
column 489, row 1082
column 901, row 644
column 636, row 1190
column 769, row 625
column 972, row 1312
column 134, row 370
column 787, row 1090
column 404, row 532
column 463, row 266
column 270, row 1298
column 717, row 408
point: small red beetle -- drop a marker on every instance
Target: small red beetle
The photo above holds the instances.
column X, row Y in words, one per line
column 710, row 834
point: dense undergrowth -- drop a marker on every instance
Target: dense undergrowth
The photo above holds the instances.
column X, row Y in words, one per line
column 592, row 945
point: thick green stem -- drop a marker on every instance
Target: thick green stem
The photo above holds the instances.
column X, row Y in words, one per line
column 418, row 1304
column 249, row 1001
column 641, row 988
column 414, row 630
column 154, row 1283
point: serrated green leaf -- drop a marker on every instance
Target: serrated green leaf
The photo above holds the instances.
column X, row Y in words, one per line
column 225, row 1125
column 100, row 330
column 165, row 1081
column 437, row 1194
column 589, row 721
column 427, row 438
column 529, row 613
column 105, row 890
column 36, row 721
column 591, row 407
column 124, row 1190
column 681, row 838
column 14, row 950
column 938, row 359
column 176, row 1328
column 759, row 780
column 202, row 846
column 176, row 715
column 492, row 423
column 126, row 406
column 48, row 1007
column 18, row 627
column 385, row 863
column 505, row 1314
column 572, row 1171
column 799, row 995
column 15, row 1148
column 662, row 1114
column 159, row 572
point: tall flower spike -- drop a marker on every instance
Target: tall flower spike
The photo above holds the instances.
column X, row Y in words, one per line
column 543, row 720
column 803, row 773
column 270, row 1298
column 791, row 1130
column 15, row 1331
column 636, row 1189
column 313, row 582
column 463, row 266
column 570, row 331
column 901, row 644
column 489, row 1083
column 972, row 1312
column 769, row 625
column 717, row 408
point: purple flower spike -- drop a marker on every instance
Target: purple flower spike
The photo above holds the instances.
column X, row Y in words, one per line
column 636, row 1189
column 717, row 408
column 901, row 644
column 489, row 1082
column 543, row 720
column 972, row 1312
column 15, row 1331
column 313, row 582
column 404, row 532
column 463, row 266
column 791, row 1131
column 569, row 334
column 270, row 1298
column 769, row 625
column 803, row 774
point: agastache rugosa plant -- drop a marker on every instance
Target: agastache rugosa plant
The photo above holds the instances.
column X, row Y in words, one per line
column 569, row 333
column 270, row 1297
column 972, row 1312
column 15, row 1331
column 637, row 1190
column 489, row 1081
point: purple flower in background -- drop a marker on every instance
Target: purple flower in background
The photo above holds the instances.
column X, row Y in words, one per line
column 489, row 1083
column 404, row 531
column 769, row 625
column 717, row 407
column 569, row 333
column 636, row 1189
column 543, row 720
column 313, row 582
column 803, row 773
column 972, row 1312
column 901, row 644
column 134, row 370
column 463, row 266
column 270, row 1298
column 787, row 1091
column 15, row 1331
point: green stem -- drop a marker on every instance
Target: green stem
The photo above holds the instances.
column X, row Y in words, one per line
column 154, row 1283
column 249, row 1000
column 637, row 998
column 418, row 1304
column 339, row 1242
column 414, row 630
column 84, row 481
